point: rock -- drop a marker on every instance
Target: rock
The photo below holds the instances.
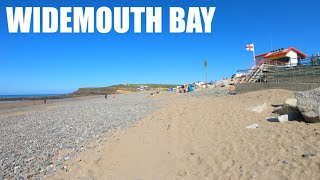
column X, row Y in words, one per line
column 64, row 168
column 242, row 170
column 66, row 158
column 276, row 105
column 253, row 126
column 309, row 105
column 291, row 103
column 212, row 92
column 306, row 155
column 286, row 162
column 280, row 110
column 288, row 112
column 253, row 175
column 294, row 147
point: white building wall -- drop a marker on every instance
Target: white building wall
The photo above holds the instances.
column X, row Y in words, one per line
column 293, row 58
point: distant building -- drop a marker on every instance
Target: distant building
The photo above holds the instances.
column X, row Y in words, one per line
column 142, row 88
column 289, row 56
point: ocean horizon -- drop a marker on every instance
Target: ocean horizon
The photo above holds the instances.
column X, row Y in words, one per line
column 29, row 95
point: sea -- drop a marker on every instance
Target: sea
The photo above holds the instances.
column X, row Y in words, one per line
column 29, row 96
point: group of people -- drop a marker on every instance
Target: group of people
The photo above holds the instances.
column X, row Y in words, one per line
column 182, row 89
column 315, row 59
column 185, row 88
column 158, row 92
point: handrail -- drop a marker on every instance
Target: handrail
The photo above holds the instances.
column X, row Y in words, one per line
column 276, row 68
column 293, row 74
column 260, row 63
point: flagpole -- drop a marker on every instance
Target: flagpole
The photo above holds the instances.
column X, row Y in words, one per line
column 254, row 54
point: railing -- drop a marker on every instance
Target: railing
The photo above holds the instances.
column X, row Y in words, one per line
column 315, row 60
column 296, row 74
column 250, row 72
column 305, row 71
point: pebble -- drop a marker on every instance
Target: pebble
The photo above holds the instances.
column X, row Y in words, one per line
column 253, row 126
column 65, row 170
column 306, row 155
column 286, row 162
column 253, row 175
column 242, row 170
column 295, row 147
column 31, row 138
column 212, row 92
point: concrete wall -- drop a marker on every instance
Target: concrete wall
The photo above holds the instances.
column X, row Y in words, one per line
column 243, row 88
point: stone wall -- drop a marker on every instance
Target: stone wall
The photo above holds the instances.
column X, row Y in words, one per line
column 225, row 83
column 243, row 88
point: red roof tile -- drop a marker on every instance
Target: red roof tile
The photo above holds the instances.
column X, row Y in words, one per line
column 281, row 53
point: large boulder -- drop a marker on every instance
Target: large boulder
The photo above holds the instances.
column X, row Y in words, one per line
column 309, row 104
column 290, row 105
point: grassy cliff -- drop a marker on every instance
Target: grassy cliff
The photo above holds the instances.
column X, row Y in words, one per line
column 121, row 88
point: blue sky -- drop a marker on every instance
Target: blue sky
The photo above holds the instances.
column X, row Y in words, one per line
column 61, row 63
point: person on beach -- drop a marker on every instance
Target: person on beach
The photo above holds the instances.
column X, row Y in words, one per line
column 106, row 96
column 312, row 59
column 232, row 89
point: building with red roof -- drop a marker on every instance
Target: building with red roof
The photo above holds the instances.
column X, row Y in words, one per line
column 289, row 56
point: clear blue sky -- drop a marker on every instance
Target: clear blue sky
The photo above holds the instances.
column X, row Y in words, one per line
column 61, row 63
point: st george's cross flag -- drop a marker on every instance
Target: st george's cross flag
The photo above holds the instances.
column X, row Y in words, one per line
column 250, row 47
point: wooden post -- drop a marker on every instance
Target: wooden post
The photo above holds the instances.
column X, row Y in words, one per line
column 205, row 66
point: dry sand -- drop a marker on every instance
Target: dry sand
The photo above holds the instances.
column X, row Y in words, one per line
column 205, row 138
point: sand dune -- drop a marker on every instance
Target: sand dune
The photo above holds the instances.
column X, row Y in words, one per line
column 206, row 138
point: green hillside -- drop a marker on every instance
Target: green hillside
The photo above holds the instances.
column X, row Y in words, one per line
column 115, row 89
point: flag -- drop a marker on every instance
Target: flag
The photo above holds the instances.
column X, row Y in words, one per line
column 250, row 47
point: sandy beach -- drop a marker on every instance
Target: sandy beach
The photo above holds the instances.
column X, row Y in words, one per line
column 204, row 137
column 160, row 90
